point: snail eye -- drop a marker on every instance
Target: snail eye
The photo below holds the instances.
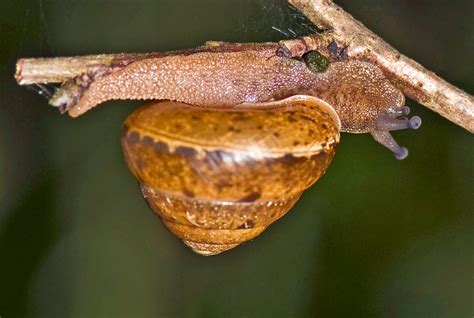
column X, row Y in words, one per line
column 315, row 61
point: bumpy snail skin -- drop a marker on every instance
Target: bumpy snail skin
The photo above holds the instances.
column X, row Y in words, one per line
column 218, row 178
column 206, row 79
column 363, row 97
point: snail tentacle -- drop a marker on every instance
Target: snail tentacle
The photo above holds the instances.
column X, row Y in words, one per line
column 387, row 140
column 391, row 124
column 400, row 111
column 395, row 119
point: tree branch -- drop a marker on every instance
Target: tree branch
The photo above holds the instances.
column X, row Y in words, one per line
column 60, row 69
column 343, row 35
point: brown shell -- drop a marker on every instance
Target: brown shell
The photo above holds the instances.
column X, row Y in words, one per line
column 217, row 177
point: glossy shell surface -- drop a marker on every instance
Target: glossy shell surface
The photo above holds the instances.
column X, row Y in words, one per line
column 218, row 178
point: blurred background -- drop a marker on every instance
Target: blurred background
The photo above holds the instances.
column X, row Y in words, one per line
column 375, row 237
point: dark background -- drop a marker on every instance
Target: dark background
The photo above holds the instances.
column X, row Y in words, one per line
column 374, row 238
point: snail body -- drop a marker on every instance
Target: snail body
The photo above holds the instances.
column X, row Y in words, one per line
column 218, row 178
column 227, row 75
column 358, row 90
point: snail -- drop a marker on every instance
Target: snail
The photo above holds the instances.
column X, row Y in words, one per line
column 239, row 132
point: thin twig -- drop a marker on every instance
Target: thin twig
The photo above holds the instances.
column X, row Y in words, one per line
column 414, row 80
column 60, row 69
column 349, row 35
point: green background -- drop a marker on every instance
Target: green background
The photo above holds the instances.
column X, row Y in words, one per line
column 375, row 237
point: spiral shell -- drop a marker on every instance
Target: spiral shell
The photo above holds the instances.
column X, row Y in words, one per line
column 219, row 177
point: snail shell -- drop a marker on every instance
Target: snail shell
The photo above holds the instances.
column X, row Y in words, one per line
column 218, row 178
